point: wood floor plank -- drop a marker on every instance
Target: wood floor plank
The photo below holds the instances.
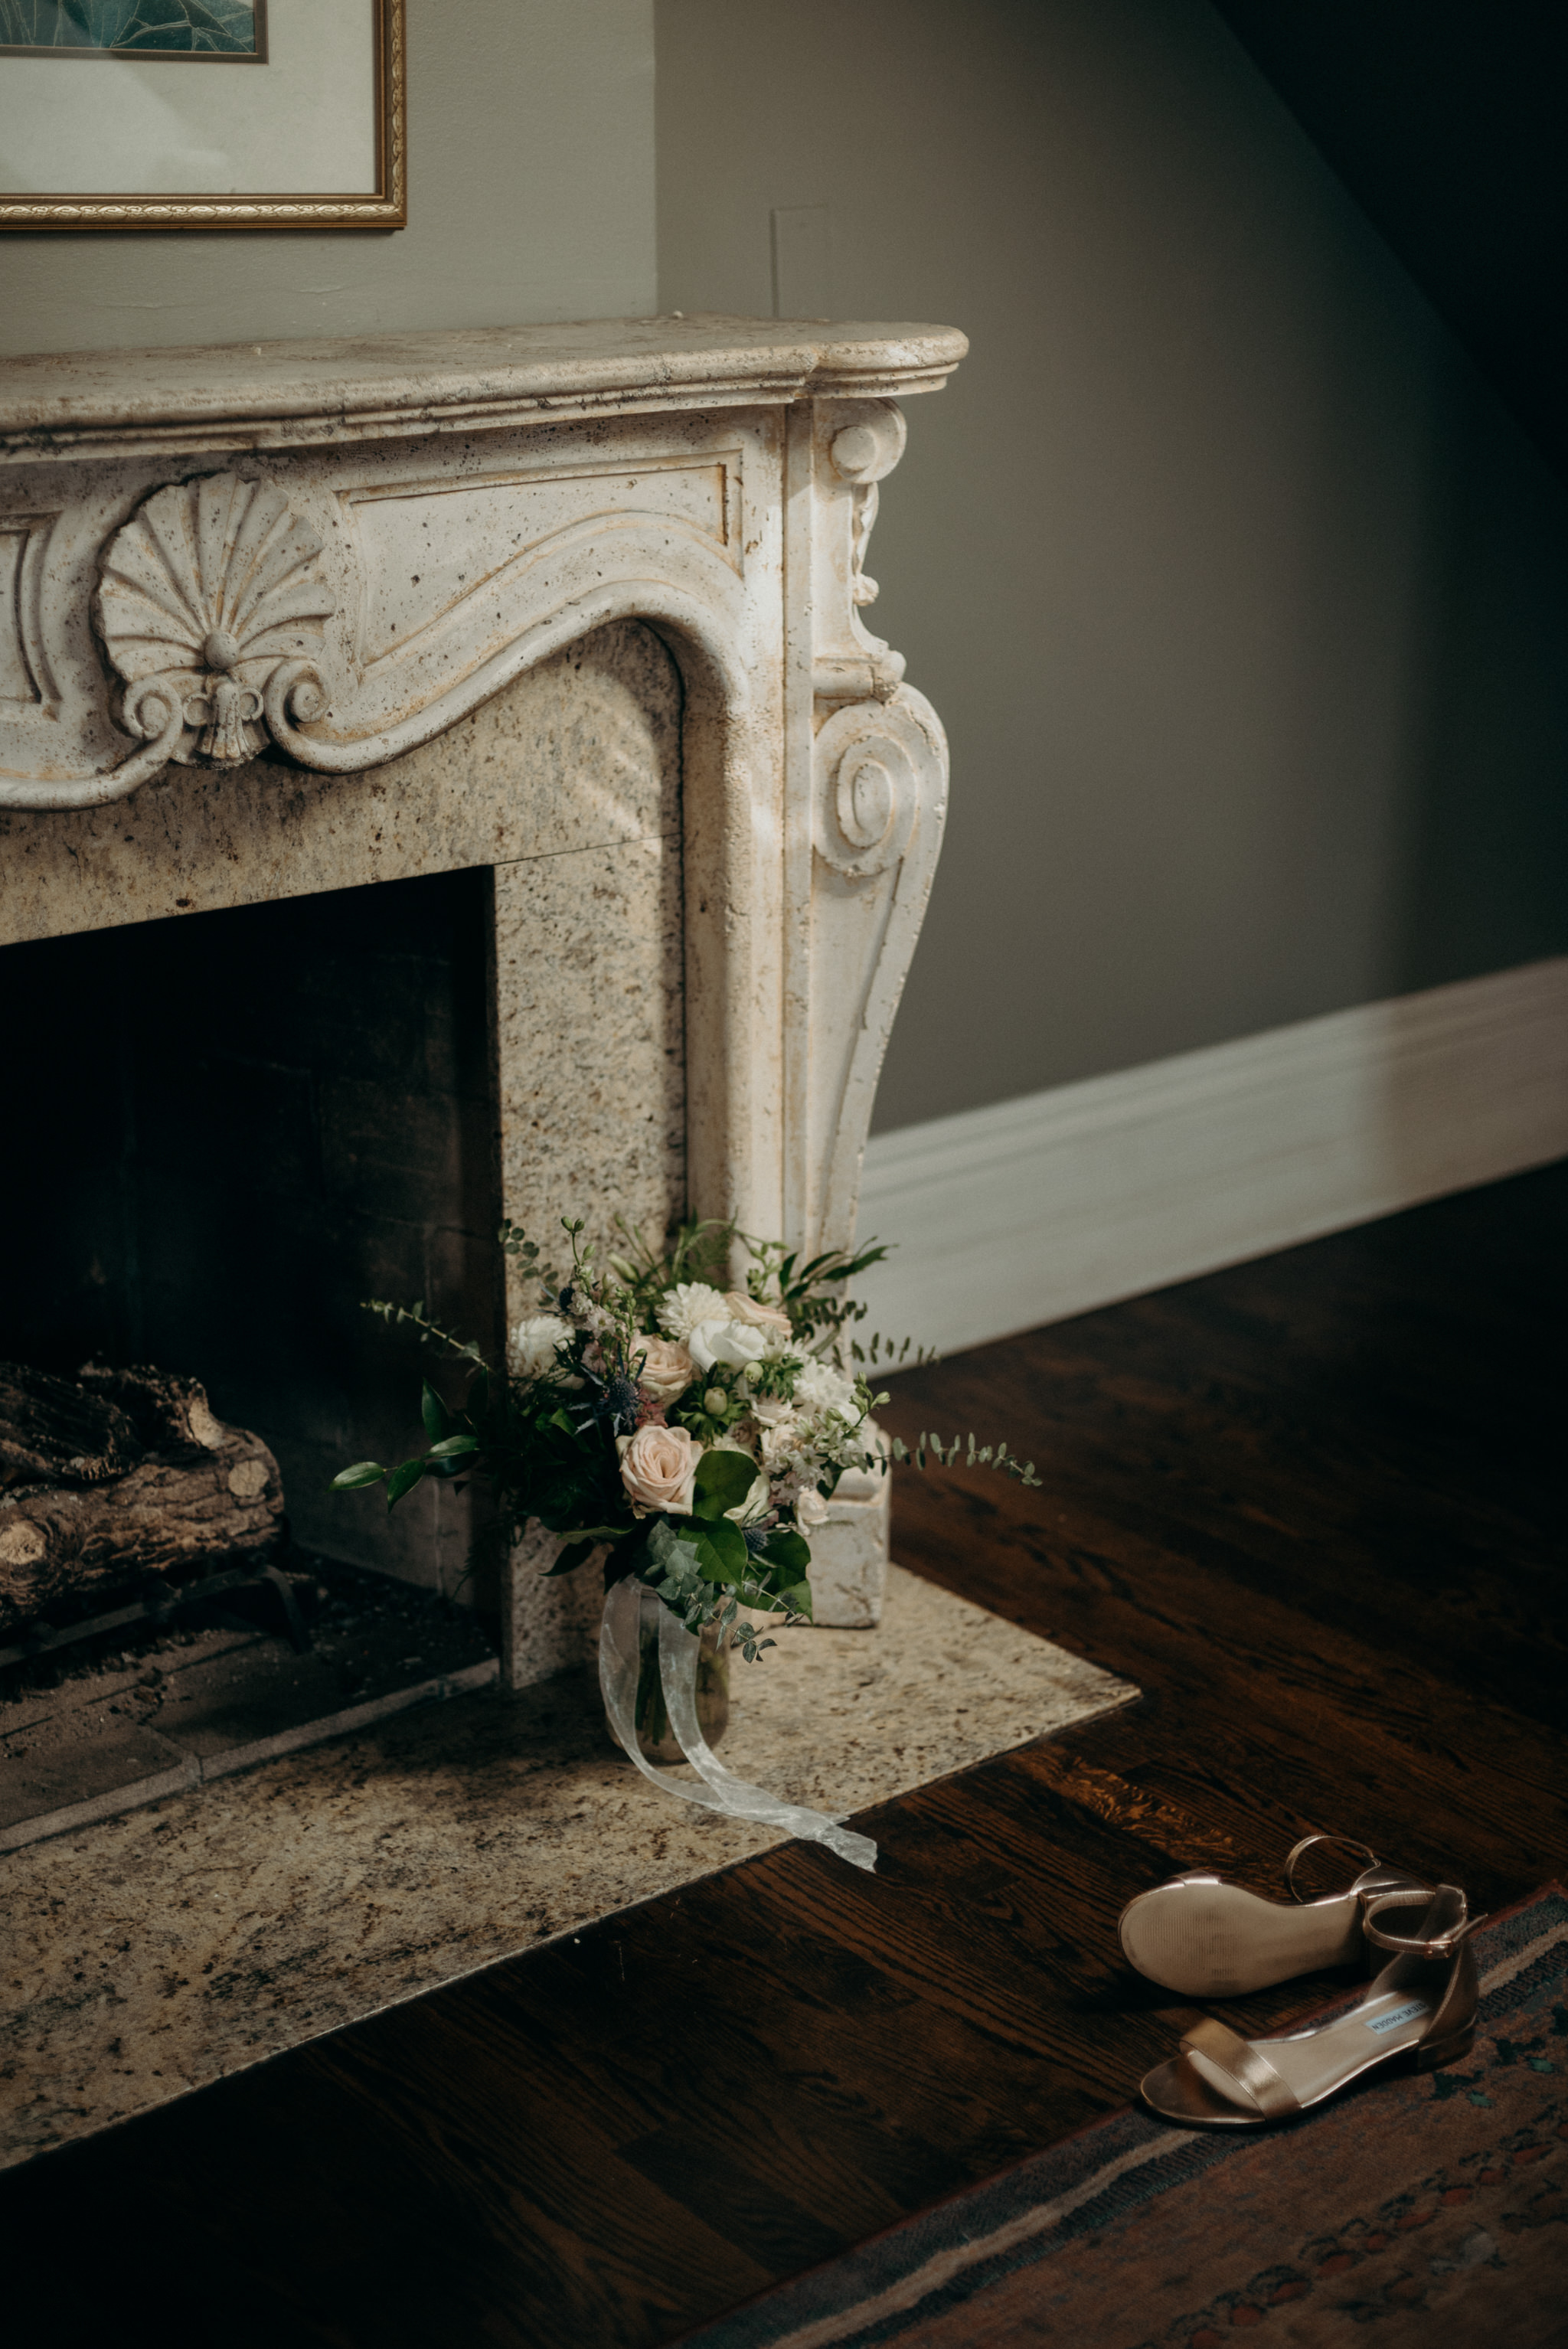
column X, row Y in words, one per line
column 1312, row 1506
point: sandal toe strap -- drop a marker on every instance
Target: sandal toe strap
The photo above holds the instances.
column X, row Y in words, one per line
column 1227, row 2053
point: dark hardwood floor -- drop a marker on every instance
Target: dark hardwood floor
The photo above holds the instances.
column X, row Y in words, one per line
column 1313, row 1505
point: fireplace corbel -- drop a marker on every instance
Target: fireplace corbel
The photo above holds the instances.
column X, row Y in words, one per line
column 330, row 554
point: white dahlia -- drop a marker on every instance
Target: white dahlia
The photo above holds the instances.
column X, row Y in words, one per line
column 821, row 1387
column 687, row 1303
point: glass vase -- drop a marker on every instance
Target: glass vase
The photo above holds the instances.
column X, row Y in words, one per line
column 656, row 1736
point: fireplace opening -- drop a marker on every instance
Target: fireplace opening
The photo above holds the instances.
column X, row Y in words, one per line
column 231, row 1125
column 229, row 1130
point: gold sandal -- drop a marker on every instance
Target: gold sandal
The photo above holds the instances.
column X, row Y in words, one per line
column 1420, row 2010
column 1206, row 1939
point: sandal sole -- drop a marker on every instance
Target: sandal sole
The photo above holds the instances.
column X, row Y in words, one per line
column 1218, row 1941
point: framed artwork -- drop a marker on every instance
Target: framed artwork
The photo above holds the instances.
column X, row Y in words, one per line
column 166, row 114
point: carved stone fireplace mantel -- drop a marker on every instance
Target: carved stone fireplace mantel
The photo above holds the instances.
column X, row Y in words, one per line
column 254, row 585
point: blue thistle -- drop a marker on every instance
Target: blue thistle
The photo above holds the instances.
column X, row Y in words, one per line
column 613, row 1400
column 622, row 1402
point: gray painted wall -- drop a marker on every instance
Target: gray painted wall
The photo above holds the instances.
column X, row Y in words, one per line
column 530, row 180
column 1243, row 599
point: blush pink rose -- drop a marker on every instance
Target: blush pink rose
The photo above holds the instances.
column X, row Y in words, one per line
column 771, row 1318
column 657, row 1465
column 665, row 1369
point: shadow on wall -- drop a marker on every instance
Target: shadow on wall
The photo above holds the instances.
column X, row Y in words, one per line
column 1408, row 669
column 1445, row 120
column 1240, row 594
column 1484, row 871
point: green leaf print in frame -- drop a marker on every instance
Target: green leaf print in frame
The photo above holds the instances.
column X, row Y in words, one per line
column 235, row 30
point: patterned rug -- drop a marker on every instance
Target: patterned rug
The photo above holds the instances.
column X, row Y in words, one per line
column 1416, row 2210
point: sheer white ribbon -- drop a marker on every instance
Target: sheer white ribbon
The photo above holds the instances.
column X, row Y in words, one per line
column 721, row 1790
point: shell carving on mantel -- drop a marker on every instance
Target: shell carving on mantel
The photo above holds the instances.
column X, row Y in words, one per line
column 210, row 590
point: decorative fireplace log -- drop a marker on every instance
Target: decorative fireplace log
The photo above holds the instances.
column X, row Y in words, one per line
column 184, row 1492
column 170, row 1415
column 54, row 1432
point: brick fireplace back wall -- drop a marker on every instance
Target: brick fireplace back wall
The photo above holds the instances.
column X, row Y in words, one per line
column 228, row 1130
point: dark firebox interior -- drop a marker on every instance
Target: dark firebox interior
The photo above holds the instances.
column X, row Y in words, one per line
column 227, row 1131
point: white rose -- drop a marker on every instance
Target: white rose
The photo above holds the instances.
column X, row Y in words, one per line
column 734, row 1343
column 662, row 1368
column 535, row 1341
column 687, row 1303
column 810, row 1509
column 658, row 1468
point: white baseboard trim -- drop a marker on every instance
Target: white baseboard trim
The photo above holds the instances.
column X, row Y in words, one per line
column 1028, row 1211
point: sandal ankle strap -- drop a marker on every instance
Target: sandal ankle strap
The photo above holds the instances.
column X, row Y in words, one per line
column 1416, row 1945
column 1349, row 1843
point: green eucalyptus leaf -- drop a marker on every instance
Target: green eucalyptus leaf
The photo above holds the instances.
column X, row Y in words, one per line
column 673, row 1553
column 364, row 1472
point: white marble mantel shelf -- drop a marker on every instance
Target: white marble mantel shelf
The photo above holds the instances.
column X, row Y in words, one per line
column 302, row 394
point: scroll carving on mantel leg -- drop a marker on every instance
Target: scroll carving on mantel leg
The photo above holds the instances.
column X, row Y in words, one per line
column 878, row 807
column 858, row 442
column 879, row 802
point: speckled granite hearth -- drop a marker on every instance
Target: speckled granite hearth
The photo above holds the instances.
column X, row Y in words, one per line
column 157, row 1952
column 85, row 1736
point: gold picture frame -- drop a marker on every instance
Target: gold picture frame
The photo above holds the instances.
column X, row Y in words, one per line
column 387, row 207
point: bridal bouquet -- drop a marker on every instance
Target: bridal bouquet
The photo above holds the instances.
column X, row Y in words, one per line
column 695, row 1428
